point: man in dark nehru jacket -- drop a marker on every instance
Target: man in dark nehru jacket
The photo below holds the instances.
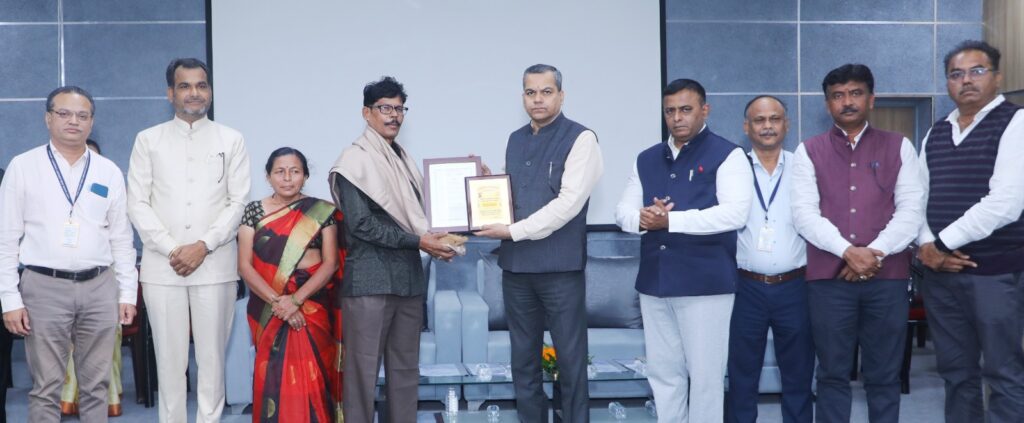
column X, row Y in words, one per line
column 688, row 196
column 857, row 200
column 973, row 240
column 554, row 164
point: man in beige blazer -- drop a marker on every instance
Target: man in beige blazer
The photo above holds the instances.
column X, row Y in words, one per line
column 188, row 180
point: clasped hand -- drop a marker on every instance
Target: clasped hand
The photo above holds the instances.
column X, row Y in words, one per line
column 655, row 216
column 285, row 309
column 938, row 261
column 862, row 263
column 187, row 258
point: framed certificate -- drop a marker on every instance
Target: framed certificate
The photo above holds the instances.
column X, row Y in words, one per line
column 489, row 199
column 444, row 189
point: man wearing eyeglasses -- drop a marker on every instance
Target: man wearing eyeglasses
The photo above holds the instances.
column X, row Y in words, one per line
column 857, row 200
column 378, row 188
column 554, row 164
column 771, row 293
column 687, row 196
column 63, row 215
column 188, row 181
column 973, row 240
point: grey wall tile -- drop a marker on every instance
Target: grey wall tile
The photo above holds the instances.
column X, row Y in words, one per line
column 28, row 10
column 733, row 57
column 960, row 10
column 726, row 118
column 771, row 10
column 29, row 65
column 118, row 121
column 900, row 56
column 128, row 60
column 947, row 37
column 814, row 117
column 943, row 107
column 21, row 128
column 135, row 10
column 867, row 10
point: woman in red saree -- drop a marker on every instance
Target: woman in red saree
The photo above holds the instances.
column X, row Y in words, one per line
column 291, row 260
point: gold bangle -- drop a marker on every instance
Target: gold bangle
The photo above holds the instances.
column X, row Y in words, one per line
column 297, row 303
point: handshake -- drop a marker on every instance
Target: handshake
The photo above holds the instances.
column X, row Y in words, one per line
column 655, row 216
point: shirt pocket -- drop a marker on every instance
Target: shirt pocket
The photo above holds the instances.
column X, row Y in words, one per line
column 93, row 208
column 216, row 167
column 555, row 172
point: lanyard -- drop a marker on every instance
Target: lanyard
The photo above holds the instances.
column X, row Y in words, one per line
column 757, row 187
column 64, row 185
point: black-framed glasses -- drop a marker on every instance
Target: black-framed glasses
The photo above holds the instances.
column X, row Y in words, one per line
column 386, row 109
column 972, row 73
column 67, row 114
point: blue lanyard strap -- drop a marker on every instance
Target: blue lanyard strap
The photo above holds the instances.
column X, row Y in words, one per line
column 760, row 197
column 63, row 184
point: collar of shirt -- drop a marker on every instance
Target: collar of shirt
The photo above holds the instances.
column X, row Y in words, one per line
column 757, row 162
column 856, row 138
column 955, row 114
column 188, row 128
column 61, row 160
column 672, row 142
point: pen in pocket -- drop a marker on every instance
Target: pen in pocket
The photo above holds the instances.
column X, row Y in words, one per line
column 551, row 167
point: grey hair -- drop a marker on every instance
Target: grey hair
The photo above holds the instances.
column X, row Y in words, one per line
column 542, row 68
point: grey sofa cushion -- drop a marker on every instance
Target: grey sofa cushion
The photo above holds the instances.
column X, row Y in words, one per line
column 612, row 301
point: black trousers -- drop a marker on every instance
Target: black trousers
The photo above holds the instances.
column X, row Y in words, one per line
column 872, row 314
column 558, row 299
column 973, row 320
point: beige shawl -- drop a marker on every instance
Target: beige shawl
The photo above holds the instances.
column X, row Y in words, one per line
column 373, row 166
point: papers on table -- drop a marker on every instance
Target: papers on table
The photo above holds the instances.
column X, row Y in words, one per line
column 604, row 366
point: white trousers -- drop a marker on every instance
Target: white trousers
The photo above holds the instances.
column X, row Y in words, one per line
column 211, row 307
column 687, row 351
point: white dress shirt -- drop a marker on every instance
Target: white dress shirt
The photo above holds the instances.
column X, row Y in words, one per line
column 34, row 212
column 1005, row 199
column 188, row 183
column 788, row 249
column 732, row 189
column 583, row 168
column 819, row 231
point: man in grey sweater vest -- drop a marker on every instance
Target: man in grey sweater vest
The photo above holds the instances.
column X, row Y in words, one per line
column 973, row 240
column 554, row 164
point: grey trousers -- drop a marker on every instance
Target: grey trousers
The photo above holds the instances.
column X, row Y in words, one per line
column 62, row 312
column 559, row 299
column 872, row 314
column 377, row 325
column 977, row 325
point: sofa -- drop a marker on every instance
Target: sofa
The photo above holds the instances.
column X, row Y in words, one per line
column 613, row 318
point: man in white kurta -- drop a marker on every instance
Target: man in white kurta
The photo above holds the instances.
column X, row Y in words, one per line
column 188, row 181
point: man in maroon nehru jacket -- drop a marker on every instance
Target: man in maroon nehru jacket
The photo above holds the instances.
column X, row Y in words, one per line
column 857, row 200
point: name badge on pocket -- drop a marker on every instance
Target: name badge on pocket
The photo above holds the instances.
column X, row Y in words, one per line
column 765, row 239
column 70, row 238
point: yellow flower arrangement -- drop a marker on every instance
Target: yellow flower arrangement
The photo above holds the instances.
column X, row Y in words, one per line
column 548, row 360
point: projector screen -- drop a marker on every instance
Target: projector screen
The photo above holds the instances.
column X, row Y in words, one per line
column 292, row 74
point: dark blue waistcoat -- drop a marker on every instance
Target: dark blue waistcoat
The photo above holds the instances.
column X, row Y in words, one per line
column 535, row 163
column 675, row 264
column 959, row 178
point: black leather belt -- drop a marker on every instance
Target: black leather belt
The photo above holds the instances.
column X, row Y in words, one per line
column 773, row 279
column 80, row 276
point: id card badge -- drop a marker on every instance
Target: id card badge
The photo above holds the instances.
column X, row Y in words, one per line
column 70, row 238
column 765, row 238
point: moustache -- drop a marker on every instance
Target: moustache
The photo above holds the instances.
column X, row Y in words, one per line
column 394, row 122
column 768, row 134
column 968, row 89
column 849, row 109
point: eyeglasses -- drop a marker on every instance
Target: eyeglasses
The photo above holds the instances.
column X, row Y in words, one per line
column 761, row 120
column 386, row 109
column 67, row 114
column 972, row 73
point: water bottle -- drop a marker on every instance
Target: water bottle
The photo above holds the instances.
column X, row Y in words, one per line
column 617, row 410
column 493, row 413
column 484, row 372
column 452, row 402
column 651, row 408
